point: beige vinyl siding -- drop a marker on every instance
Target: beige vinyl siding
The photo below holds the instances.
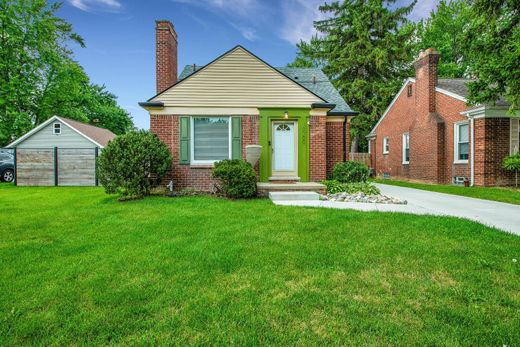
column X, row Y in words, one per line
column 238, row 79
column 45, row 138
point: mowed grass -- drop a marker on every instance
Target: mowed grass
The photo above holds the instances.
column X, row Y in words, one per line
column 502, row 194
column 77, row 267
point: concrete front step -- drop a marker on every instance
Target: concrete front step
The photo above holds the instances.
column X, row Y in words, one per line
column 264, row 188
column 293, row 196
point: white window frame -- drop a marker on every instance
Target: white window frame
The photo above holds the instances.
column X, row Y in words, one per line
column 386, row 142
column 406, row 135
column 456, row 132
column 369, row 146
column 54, row 132
column 192, row 141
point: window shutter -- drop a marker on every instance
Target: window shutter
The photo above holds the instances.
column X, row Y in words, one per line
column 515, row 135
column 236, row 138
column 185, row 140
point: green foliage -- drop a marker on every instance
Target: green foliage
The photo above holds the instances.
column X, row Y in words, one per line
column 444, row 31
column 40, row 79
column 364, row 48
column 236, row 178
column 512, row 163
column 493, row 40
column 133, row 164
column 366, row 188
column 350, row 171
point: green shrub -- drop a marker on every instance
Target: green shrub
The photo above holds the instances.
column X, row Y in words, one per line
column 133, row 164
column 512, row 163
column 236, row 179
column 366, row 188
column 350, row 171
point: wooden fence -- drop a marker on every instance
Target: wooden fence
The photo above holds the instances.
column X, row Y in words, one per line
column 360, row 157
column 56, row 166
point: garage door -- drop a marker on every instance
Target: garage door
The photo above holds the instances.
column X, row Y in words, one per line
column 56, row 166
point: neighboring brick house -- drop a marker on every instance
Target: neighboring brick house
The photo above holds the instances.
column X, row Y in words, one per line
column 213, row 112
column 428, row 133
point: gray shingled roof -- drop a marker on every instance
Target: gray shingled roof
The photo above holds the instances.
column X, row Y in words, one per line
column 100, row 135
column 303, row 76
column 459, row 86
column 455, row 85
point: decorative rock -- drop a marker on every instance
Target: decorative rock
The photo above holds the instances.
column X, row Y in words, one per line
column 361, row 197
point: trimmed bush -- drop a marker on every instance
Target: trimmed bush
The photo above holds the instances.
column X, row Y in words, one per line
column 350, row 171
column 366, row 188
column 236, row 179
column 133, row 164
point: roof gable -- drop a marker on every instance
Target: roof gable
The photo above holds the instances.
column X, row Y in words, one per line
column 238, row 79
column 98, row 136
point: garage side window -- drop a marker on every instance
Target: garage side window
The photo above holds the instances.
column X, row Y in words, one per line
column 56, row 128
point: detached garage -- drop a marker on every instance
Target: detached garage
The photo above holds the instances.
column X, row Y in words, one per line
column 59, row 152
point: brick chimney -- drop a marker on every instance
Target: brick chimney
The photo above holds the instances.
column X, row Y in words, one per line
column 166, row 55
column 426, row 78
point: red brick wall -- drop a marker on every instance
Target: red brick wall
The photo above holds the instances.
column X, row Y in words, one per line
column 335, row 144
column 166, row 55
column 196, row 177
column 431, row 139
column 318, row 148
column 492, row 145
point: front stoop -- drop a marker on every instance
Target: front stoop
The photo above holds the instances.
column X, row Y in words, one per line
column 265, row 188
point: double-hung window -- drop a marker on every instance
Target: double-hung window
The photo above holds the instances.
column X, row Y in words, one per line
column 386, row 145
column 461, row 142
column 406, row 148
column 210, row 139
column 56, row 128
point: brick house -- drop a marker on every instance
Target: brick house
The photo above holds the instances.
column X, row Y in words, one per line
column 213, row 112
column 429, row 133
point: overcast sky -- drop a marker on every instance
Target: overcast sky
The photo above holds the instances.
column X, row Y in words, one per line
column 120, row 36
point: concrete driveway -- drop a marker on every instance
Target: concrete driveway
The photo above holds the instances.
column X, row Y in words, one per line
column 497, row 214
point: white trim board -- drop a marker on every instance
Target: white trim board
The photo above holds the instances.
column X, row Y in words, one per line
column 43, row 125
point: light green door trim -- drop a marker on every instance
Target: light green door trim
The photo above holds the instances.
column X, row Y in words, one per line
column 267, row 116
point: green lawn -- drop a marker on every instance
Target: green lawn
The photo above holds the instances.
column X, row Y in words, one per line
column 77, row 267
column 509, row 195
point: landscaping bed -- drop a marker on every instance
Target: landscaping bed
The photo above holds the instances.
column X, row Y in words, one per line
column 78, row 267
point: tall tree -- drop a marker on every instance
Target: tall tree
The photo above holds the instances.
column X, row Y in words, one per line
column 444, row 31
column 493, row 40
column 365, row 48
column 38, row 77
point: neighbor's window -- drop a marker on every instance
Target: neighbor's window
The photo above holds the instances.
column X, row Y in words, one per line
column 386, row 145
column 210, row 139
column 409, row 90
column 406, row 148
column 461, row 142
column 57, row 128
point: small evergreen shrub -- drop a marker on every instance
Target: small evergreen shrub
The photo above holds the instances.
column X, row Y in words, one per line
column 366, row 188
column 350, row 171
column 512, row 163
column 133, row 164
column 236, row 179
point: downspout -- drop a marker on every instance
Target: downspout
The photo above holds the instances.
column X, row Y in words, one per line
column 472, row 161
column 345, row 139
